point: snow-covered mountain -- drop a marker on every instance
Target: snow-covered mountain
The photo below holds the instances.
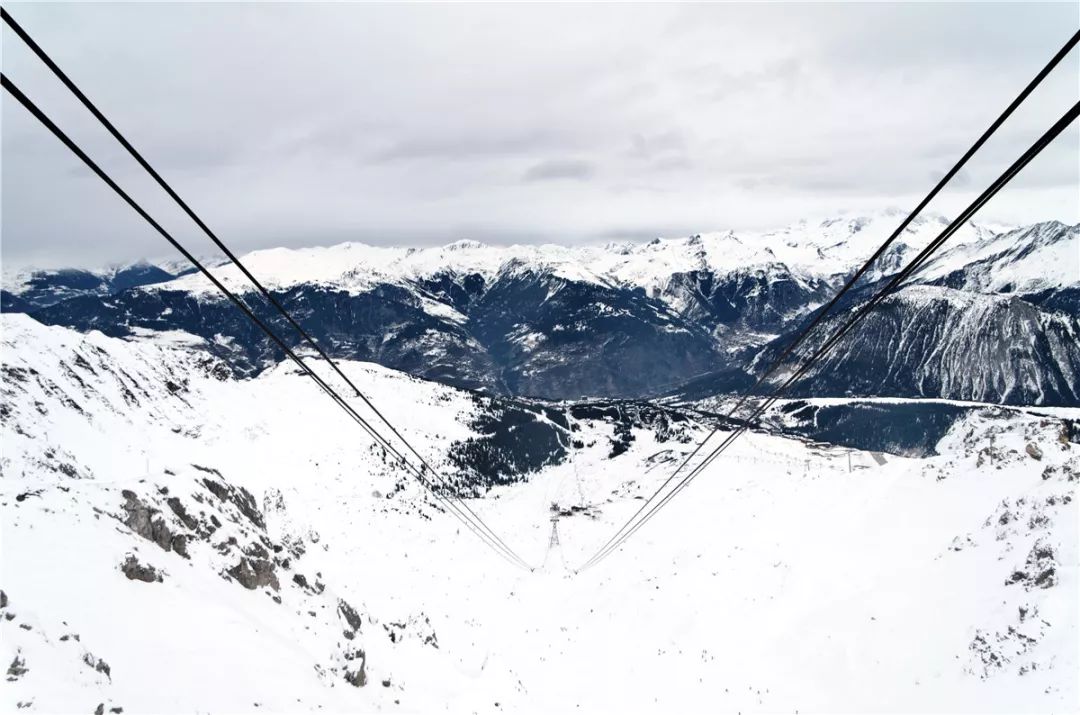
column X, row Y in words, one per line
column 177, row 539
column 817, row 248
column 621, row 320
column 27, row 289
column 932, row 341
column 1026, row 261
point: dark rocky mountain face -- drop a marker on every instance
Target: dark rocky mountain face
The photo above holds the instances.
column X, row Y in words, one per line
column 559, row 338
column 386, row 326
column 138, row 275
column 1062, row 300
column 765, row 299
column 526, row 334
column 11, row 303
column 969, row 332
column 930, row 341
column 908, row 428
column 50, row 287
column 45, row 288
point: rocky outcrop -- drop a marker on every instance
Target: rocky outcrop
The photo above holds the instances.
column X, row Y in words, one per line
column 238, row 496
column 255, row 573
column 1039, row 570
column 17, row 669
column 356, row 670
column 147, row 522
column 137, row 571
column 351, row 618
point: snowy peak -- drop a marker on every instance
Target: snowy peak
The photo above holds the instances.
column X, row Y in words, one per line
column 463, row 245
column 1040, row 257
column 817, row 248
column 820, row 248
column 567, row 322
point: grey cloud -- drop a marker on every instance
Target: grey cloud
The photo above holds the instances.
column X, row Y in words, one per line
column 782, row 75
column 465, row 146
column 298, row 124
column 559, row 169
column 648, row 146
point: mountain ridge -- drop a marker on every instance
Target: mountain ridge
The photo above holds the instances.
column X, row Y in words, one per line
column 618, row 321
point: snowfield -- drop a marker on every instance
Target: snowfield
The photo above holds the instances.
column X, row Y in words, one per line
column 175, row 540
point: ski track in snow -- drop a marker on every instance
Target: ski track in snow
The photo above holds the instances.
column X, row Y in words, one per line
column 781, row 582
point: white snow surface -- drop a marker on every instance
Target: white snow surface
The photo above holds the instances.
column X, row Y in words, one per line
column 781, row 582
column 1043, row 256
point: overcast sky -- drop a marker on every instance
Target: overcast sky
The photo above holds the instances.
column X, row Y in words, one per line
column 418, row 124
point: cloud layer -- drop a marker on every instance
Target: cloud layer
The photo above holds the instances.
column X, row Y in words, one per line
column 313, row 123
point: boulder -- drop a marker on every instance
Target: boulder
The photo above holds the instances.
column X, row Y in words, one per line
column 140, row 572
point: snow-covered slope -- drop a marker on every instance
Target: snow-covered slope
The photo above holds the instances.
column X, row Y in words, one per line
column 1032, row 259
column 292, row 557
column 841, row 244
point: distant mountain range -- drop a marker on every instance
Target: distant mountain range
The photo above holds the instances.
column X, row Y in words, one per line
column 993, row 318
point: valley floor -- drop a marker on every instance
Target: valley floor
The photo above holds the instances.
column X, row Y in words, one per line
column 782, row 581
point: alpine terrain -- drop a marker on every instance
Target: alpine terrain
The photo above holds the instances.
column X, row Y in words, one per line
column 682, row 316
column 189, row 525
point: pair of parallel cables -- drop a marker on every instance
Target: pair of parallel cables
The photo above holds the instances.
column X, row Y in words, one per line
column 421, row 470
column 655, row 503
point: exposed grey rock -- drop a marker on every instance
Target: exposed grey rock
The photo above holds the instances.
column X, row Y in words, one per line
column 352, row 618
column 98, row 664
column 1033, row 451
column 140, row 572
column 418, row 626
column 238, row 496
column 993, row 651
column 143, row 519
column 255, row 573
column 356, row 676
column 181, row 513
column 1040, row 569
column 179, row 545
column 17, row 669
column 273, row 500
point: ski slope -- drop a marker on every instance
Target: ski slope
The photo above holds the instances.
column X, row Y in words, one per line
column 781, row 581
